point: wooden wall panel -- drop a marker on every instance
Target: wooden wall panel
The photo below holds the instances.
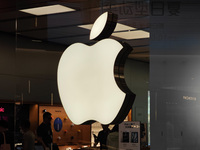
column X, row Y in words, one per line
column 33, row 117
column 70, row 134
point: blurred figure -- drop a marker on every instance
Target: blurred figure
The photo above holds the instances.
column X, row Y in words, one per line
column 113, row 138
column 6, row 141
column 28, row 136
column 44, row 132
column 102, row 137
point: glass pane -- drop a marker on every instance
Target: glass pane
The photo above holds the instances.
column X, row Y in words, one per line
column 174, row 75
column 30, row 49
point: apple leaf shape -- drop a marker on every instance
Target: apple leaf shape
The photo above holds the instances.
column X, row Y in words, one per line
column 104, row 26
column 91, row 82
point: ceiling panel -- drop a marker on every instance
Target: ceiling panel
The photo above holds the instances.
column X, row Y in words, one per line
column 62, row 28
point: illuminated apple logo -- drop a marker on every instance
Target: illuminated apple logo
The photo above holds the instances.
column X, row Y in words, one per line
column 90, row 78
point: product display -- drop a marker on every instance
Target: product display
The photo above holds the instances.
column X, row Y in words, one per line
column 64, row 131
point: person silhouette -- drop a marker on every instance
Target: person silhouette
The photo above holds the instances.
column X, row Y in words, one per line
column 102, row 137
column 44, row 132
column 6, row 138
column 28, row 136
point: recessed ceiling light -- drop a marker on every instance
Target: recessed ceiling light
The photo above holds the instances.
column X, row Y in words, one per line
column 46, row 10
column 119, row 27
column 122, row 27
column 136, row 34
column 86, row 26
column 129, row 32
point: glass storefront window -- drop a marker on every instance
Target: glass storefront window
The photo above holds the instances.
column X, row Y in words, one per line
column 30, row 48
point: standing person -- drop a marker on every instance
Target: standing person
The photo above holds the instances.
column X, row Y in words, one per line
column 28, row 136
column 6, row 138
column 102, row 137
column 44, row 132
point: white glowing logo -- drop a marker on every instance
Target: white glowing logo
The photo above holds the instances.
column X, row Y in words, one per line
column 98, row 26
column 87, row 82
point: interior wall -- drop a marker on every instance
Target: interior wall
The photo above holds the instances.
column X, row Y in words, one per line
column 7, row 66
column 28, row 71
column 64, row 131
column 137, row 79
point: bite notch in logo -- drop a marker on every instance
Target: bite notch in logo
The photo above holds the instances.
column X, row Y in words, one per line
column 91, row 80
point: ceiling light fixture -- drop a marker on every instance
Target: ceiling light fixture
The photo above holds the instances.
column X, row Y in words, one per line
column 124, row 31
column 119, row 27
column 136, row 34
column 47, row 10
